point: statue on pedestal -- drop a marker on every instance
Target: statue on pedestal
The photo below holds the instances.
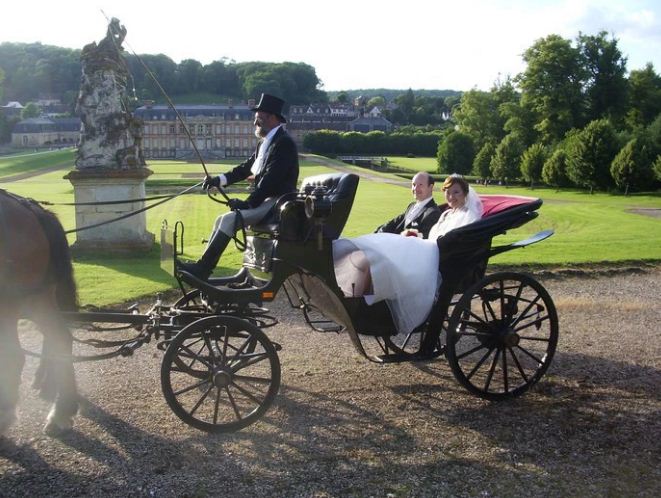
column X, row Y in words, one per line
column 110, row 135
column 110, row 165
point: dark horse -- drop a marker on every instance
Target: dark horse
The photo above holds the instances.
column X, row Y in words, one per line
column 36, row 282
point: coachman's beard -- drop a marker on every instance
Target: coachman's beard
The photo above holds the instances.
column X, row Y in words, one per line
column 260, row 131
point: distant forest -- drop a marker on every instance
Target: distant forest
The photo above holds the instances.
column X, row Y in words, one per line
column 34, row 71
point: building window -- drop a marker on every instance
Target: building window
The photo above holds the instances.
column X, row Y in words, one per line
column 172, row 128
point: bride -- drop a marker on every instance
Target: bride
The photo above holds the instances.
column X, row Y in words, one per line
column 403, row 271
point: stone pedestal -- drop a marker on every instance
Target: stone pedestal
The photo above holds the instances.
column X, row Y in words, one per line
column 102, row 185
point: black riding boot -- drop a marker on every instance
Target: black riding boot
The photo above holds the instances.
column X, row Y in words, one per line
column 203, row 267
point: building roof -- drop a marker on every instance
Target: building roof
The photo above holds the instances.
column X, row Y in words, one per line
column 41, row 125
column 13, row 105
column 166, row 113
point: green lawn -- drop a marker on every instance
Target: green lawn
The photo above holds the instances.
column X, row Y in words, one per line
column 23, row 163
column 589, row 228
column 414, row 164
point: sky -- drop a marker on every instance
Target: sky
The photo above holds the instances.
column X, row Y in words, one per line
column 352, row 44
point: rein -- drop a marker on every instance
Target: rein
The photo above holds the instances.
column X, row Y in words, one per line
column 133, row 213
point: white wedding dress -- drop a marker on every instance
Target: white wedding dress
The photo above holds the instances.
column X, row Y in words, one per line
column 404, row 270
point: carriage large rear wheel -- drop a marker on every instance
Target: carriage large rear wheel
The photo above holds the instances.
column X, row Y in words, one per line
column 502, row 335
column 220, row 374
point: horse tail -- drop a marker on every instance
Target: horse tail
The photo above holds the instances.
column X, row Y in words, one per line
column 60, row 265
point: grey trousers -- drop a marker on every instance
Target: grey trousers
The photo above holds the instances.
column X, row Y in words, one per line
column 226, row 223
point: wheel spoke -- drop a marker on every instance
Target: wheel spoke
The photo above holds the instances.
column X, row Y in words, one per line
column 253, row 378
column 194, row 357
column 539, row 362
column 191, row 387
column 248, row 394
column 525, row 311
column 200, row 401
column 479, row 363
column 216, row 406
column 537, row 323
column 248, row 360
column 491, row 370
column 518, row 365
column 233, row 403
column 486, row 305
column 470, row 351
column 505, row 380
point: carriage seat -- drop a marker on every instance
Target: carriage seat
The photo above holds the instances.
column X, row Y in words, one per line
column 334, row 191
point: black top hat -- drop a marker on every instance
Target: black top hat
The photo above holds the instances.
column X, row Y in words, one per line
column 269, row 103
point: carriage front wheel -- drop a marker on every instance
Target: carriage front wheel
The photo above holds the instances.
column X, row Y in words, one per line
column 502, row 335
column 220, row 374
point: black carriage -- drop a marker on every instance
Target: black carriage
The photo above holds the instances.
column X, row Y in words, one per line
column 221, row 372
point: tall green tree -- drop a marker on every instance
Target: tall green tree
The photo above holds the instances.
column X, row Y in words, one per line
column 552, row 86
column 506, row 162
column 554, row 171
column 590, row 153
column 606, row 84
column 482, row 161
column 456, row 153
column 532, row 163
column 644, row 96
column 632, row 166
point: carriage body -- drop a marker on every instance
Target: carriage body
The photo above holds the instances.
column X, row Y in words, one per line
column 498, row 332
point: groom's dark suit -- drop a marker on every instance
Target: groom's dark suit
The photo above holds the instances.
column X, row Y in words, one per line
column 279, row 174
column 423, row 222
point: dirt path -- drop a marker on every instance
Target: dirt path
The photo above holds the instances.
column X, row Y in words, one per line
column 342, row 426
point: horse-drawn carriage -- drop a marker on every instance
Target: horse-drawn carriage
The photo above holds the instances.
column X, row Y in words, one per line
column 220, row 370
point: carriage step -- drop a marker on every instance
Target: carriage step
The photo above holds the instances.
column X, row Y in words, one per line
column 326, row 327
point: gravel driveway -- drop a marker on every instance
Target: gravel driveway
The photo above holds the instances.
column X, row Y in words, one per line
column 342, row 426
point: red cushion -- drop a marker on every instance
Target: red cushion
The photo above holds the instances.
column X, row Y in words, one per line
column 493, row 204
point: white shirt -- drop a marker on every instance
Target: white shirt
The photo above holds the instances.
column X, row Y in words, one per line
column 415, row 211
column 258, row 165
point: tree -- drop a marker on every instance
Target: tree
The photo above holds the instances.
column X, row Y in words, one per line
column 590, row 153
column 606, row 85
column 554, row 171
column 632, row 166
column 482, row 161
column 644, row 96
column 342, row 98
column 456, row 153
column 377, row 101
column 189, row 76
column 656, row 167
column 31, row 110
column 505, row 164
column 477, row 115
column 220, row 78
column 532, row 163
column 552, row 86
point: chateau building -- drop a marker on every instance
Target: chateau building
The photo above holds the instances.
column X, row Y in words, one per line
column 46, row 132
column 219, row 131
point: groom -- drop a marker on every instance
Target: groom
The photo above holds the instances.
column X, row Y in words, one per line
column 274, row 166
column 420, row 215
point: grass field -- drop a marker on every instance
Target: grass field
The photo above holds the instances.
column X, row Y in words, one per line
column 24, row 163
column 589, row 228
column 414, row 164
